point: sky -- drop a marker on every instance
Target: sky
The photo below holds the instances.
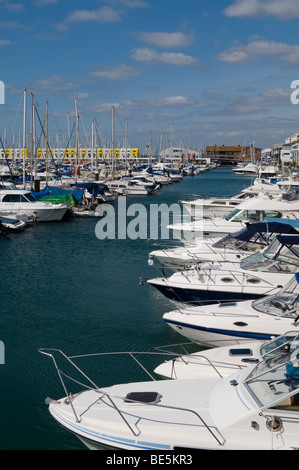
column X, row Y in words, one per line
column 189, row 73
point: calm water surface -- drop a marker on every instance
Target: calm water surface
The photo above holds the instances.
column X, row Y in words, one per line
column 63, row 288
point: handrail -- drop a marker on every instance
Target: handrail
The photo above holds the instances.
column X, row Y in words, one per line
column 111, row 397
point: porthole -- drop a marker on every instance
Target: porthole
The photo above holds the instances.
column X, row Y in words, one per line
column 253, row 280
column 227, row 279
column 240, row 323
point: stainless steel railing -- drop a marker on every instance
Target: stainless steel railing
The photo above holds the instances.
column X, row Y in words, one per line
column 50, row 353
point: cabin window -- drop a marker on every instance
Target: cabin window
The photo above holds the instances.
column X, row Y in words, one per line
column 240, row 352
column 30, row 197
column 11, row 198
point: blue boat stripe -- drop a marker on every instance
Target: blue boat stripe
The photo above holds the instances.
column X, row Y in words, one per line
column 241, row 334
column 107, row 438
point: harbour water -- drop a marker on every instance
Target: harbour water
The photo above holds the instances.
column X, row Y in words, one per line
column 63, row 288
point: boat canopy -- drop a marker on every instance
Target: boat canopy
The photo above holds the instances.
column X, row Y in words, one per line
column 51, row 191
column 292, row 222
column 260, row 233
column 96, row 189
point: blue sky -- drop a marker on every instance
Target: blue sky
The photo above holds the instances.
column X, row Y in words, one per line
column 214, row 72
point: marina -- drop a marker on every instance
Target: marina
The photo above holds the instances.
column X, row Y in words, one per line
column 149, row 228
column 59, row 292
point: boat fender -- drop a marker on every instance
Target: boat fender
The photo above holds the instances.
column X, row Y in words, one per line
column 49, row 401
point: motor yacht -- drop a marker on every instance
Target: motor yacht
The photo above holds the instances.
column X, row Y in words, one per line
column 220, row 207
column 129, row 187
column 22, row 202
column 248, row 170
column 249, row 211
column 235, row 322
column 255, row 276
column 232, row 247
column 255, row 408
column 221, row 361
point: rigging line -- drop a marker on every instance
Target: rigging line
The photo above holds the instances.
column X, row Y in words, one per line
column 6, row 157
column 43, row 131
column 67, row 146
column 99, row 137
column 83, row 125
column 21, row 101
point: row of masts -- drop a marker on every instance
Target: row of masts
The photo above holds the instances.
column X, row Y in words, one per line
column 32, row 147
column 35, row 142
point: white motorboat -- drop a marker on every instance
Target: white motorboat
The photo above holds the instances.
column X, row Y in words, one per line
column 11, row 224
column 144, row 182
column 236, row 322
column 222, row 361
column 268, row 171
column 250, row 211
column 255, row 276
column 129, row 187
column 255, row 408
column 220, row 207
column 248, row 170
column 232, row 247
column 22, row 202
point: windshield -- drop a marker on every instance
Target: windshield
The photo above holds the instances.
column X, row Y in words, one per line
column 277, row 375
column 239, row 215
column 30, row 197
column 256, row 241
column 285, row 303
column 259, row 262
column 276, row 257
column 280, row 344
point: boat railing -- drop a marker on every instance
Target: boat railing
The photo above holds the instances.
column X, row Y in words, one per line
column 70, row 397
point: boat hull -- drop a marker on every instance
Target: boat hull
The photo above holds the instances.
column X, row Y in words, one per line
column 216, row 336
column 202, row 297
column 53, row 214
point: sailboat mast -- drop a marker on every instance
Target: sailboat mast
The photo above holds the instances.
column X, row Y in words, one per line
column 46, row 146
column 77, row 140
column 126, row 147
column 24, row 138
column 112, row 142
column 31, row 142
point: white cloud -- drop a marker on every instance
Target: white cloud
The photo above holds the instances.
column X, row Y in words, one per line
column 41, row 3
column 130, row 3
column 101, row 15
column 105, row 14
column 150, row 56
column 272, row 50
column 117, row 72
column 166, row 40
column 10, row 6
column 263, row 102
column 175, row 101
column 281, row 9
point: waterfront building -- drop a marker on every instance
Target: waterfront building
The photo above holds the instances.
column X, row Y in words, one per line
column 232, row 155
column 70, row 154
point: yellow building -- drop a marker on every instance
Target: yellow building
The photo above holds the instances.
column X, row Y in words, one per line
column 64, row 154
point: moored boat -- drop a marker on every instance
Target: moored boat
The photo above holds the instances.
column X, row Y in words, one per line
column 255, row 408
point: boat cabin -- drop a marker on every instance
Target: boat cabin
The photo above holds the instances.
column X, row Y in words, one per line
column 15, row 196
